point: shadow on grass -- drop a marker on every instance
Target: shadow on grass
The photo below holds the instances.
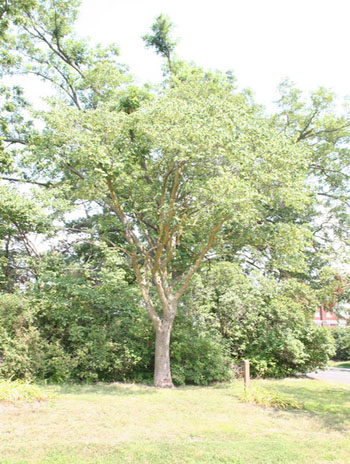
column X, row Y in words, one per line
column 343, row 365
column 113, row 389
column 125, row 389
column 330, row 405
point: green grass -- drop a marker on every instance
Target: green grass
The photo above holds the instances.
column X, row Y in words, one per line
column 125, row 423
column 269, row 398
column 342, row 364
column 14, row 391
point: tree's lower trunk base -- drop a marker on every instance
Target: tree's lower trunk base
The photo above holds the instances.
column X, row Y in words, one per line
column 165, row 382
column 162, row 371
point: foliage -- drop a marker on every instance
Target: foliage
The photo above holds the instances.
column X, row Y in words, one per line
column 14, row 11
column 97, row 321
column 86, row 323
column 320, row 122
column 342, row 343
column 266, row 321
column 22, row 217
column 92, row 320
column 205, row 162
column 160, row 39
column 199, row 355
column 13, row 391
column 269, row 398
column 20, row 343
column 89, row 325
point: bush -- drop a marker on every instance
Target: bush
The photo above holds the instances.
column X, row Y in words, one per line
column 290, row 352
column 262, row 319
column 81, row 325
column 342, row 343
column 89, row 327
column 199, row 356
column 91, row 323
column 20, row 343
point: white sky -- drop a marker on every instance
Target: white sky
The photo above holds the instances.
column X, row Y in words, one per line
column 262, row 41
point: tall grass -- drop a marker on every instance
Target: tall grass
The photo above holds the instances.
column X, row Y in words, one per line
column 269, row 398
column 17, row 390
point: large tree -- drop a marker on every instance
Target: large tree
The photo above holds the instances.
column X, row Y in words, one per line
column 178, row 175
column 182, row 175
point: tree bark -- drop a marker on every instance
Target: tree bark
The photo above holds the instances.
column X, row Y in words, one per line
column 162, row 372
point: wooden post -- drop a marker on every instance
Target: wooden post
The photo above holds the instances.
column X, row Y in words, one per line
column 246, row 374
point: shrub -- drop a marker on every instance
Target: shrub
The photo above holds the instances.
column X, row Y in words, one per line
column 199, row 355
column 289, row 352
column 262, row 319
column 342, row 343
column 93, row 328
column 20, row 342
column 83, row 325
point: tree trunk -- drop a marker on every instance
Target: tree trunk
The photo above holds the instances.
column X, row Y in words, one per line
column 162, row 372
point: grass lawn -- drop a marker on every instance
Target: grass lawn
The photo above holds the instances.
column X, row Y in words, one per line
column 123, row 423
column 342, row 364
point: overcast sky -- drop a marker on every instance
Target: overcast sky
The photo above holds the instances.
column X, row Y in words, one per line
column 262, row 41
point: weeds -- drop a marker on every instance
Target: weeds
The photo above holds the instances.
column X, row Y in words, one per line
column 269, row 398
column 12, row 391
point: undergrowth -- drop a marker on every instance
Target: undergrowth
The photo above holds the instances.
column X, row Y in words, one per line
column 269, row 398
column 17, row 390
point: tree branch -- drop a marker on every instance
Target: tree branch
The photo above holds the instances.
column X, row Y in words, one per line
column 12, row 179
column 200, row 258
column 13, row 140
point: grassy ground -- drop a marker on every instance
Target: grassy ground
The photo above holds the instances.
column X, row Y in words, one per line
column 120, row 423
column 342, row 364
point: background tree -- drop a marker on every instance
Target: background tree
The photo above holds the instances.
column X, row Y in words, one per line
column 318, row 123
column 20, row 219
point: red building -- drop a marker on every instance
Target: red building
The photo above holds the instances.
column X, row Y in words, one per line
column 325, row 317
column 328, row 319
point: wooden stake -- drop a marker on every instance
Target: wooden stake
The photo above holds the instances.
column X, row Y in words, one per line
column 246, row 374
